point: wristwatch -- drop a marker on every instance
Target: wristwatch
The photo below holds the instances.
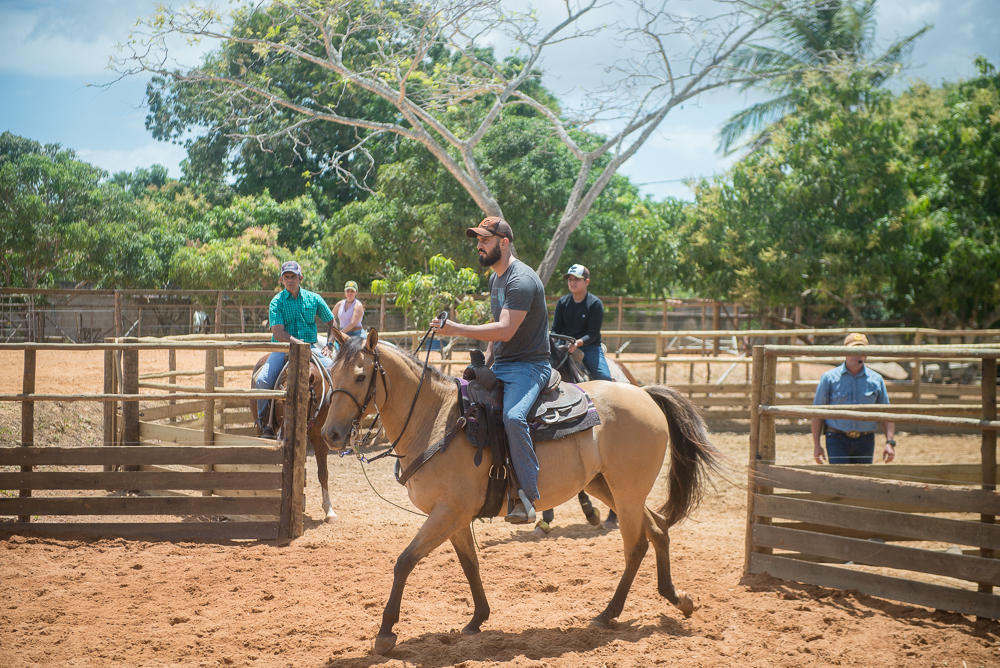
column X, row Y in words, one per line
column 891, row 442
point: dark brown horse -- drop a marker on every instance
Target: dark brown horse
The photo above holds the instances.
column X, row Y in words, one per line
column 617, row 461
column 319, row 404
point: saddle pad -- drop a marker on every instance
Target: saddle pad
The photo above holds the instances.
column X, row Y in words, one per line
column 565, row 417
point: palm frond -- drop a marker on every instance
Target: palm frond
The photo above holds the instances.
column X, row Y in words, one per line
column 754, row 118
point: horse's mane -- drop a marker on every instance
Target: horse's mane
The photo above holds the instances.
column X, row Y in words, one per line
column 354, row 345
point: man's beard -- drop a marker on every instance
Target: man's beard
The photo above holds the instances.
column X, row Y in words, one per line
column 490, row 258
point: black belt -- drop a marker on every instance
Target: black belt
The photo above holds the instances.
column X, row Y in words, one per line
column 849, row 434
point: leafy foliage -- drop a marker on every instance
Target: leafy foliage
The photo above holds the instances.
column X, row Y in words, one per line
column 443, row 288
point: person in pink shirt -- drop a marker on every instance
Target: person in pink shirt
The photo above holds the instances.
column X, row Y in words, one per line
column 349, row 311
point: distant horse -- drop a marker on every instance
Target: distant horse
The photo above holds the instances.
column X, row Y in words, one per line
column 571, row 368
column 617, row 461
column 199, row 322
column 319, row 404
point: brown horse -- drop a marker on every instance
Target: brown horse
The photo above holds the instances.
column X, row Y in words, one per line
column 319, row 404
column 617, row 461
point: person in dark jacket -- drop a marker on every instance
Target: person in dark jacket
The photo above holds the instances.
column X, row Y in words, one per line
column 580, row 315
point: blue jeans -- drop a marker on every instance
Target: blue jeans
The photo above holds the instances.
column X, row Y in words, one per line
column 843, row 450
column 269, row 376
column 522, row 383
column 597, row 366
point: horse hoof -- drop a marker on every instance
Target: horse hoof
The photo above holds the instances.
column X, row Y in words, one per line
column 471, row 630
column 599, row 622
column 384, row 643
column 542, row 529
column 610, row 525
column 685, row 604
column 331, row 518
column 594, row 518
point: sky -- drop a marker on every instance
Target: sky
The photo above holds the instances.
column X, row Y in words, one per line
column 54, row 52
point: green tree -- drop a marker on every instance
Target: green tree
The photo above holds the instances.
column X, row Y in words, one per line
column 955, row 130
column 834, row 36
column 248, row 262
column 821, row 212
column 421, row 63
column 45, row 192
column 419, row 211
column 444, row 288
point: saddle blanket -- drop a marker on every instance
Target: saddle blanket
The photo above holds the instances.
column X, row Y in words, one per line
column 543, row 428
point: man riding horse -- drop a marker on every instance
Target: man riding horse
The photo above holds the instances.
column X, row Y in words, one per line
column 518, row 348
column 292, row 317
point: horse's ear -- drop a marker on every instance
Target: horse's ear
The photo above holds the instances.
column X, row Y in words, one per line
column 339, row 335
column 372, row 340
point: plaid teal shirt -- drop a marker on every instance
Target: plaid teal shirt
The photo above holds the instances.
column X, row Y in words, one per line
column 298, row 315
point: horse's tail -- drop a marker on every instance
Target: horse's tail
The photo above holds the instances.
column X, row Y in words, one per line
column 692, row 455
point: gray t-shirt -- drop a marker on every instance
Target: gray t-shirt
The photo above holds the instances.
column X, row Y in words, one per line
column 520, row 289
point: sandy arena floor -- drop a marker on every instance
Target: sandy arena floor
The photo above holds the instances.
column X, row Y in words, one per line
column 317, row 601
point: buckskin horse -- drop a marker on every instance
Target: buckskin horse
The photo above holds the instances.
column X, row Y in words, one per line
column 319, row 404
column 617, row 461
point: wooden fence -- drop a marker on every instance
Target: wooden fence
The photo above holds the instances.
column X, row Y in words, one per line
column 143, row 468
column 883, row 530
column 722, row 354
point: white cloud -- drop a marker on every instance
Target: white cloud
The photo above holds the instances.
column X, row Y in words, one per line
column 72, row 39
column 168, row 155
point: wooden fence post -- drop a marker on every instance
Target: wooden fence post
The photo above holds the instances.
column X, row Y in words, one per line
column 989, row 448
column 110, row 407
column 290, row 523
column 755, row 455
column 171, row 366
column 659, row 364
column 130, row 409
column 618, row 339
column 118, row 314
column 218, row 314
column 915, row 371
column 220, row 381
column 381, row 314
column 27, row 419
column 208, row 427
column 716, row 344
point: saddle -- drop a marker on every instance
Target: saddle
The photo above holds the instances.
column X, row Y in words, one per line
column 560, row 410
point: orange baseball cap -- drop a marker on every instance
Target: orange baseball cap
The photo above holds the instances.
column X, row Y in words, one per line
column 491, row 226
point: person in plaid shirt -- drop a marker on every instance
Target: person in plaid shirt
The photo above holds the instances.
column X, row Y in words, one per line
column 292, row 317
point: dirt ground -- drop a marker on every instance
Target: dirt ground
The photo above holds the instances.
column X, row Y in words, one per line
column 317, row 601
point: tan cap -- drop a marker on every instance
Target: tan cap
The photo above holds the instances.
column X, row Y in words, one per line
column 491, row 226
column 856, row 339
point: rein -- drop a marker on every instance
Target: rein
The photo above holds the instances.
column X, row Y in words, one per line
column 370, row 398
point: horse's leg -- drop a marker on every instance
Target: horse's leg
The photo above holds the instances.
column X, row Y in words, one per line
column 436, row 529
column 656, row 530
column 322, row 450
column 465, row 548
column 599, row 488
column 634, row 538
column 593, row 517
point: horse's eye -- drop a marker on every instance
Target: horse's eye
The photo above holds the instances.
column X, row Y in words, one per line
column 360, row 378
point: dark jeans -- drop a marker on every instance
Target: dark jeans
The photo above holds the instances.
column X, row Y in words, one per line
column 843, row 450
column 597, row 366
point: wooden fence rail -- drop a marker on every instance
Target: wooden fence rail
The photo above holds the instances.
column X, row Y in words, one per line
column 189, row 473
column 848, row 526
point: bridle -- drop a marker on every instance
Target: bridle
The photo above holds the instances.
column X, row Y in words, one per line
column 370, row 399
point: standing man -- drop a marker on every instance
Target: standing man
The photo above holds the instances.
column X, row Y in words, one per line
column 580, row 315
column 518, row 348
column 851, row 383
column 292, row 317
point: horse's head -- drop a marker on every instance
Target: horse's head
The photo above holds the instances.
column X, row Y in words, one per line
column 357, row 385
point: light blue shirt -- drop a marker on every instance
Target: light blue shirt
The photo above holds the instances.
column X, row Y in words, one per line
column 839, row 386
